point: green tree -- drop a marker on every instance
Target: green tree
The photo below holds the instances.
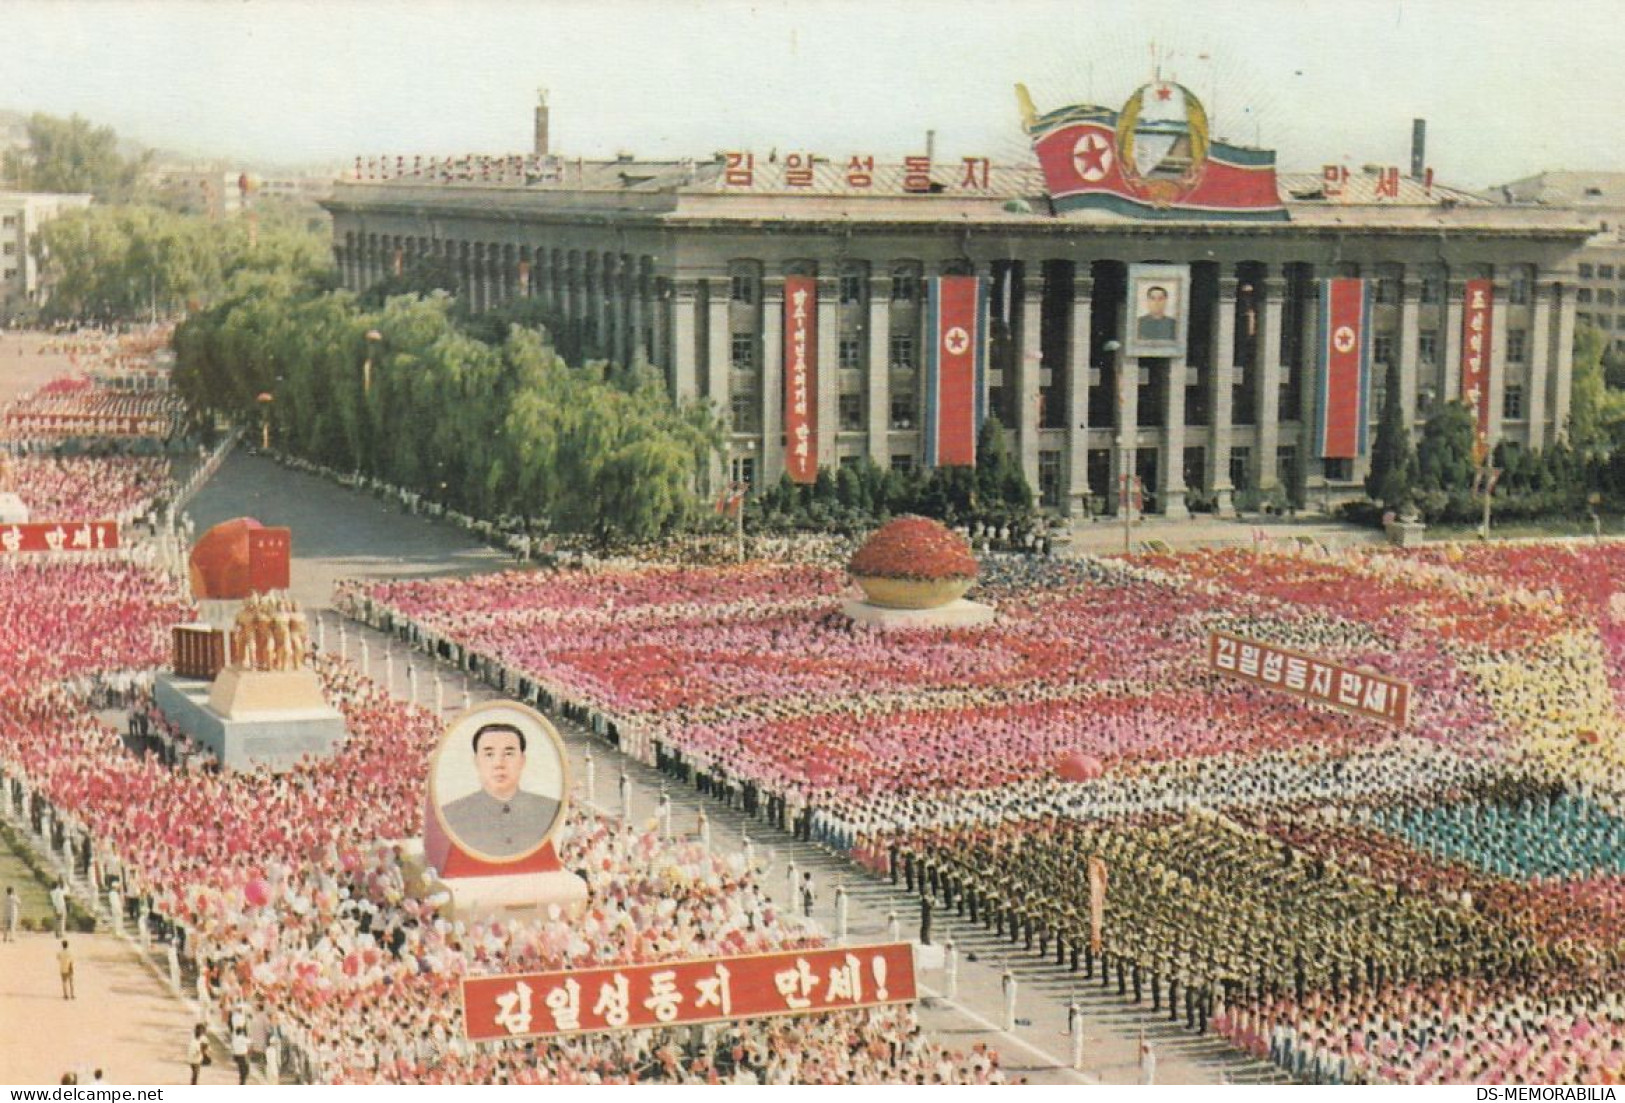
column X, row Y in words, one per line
column 999, row 478
column 1596, row 413
column 73, row 155
column 1393, row 458
column 1445, row 457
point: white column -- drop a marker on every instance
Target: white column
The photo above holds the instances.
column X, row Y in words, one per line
column 1124, row 455
column 1563, row 361
column 1498, row 360
column 1027, row 369
column 1172, row 470
column 772, row 462
column 684, row 354
column 721, row 338
column 828, row 370
column 1408, row 290
column 1077, row 398
column 1538, row 349
column 1224, row 373
column 1452, row 341
column 879, row 369
column 1269, row 382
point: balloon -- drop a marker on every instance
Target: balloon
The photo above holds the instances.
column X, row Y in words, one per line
column 1078, row 766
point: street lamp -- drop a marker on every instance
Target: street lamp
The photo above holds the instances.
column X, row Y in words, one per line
column 1125, row 502
column 737, row 489
column 265, row 398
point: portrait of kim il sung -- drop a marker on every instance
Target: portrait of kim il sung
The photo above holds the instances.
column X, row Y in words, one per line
column 1157, row 303
column 498, row 781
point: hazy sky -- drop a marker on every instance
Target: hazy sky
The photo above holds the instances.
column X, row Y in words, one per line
column 1509, row 87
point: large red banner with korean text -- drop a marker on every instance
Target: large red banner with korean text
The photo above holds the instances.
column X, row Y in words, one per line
column 1345, row 338
column 1343, row 687
column 75, row 536
column 956, row 312
column 801, row 378
column 1477, row 309
column 673, row 993
column 268, row 553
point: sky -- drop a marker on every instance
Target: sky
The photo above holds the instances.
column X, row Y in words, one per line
column 1508, row 87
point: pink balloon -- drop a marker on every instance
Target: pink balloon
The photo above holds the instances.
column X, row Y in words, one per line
column 1078, row 766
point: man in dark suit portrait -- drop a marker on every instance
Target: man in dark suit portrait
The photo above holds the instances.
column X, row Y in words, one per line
column 501, row 820
column 1156, row 324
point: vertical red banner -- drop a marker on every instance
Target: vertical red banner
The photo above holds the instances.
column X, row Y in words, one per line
column 801, row 378
column 1340, row 428
column 954, row 311
column 268, row 553
column 1477, row 311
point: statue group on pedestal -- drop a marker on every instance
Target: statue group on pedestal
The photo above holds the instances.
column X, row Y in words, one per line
column 270, row 634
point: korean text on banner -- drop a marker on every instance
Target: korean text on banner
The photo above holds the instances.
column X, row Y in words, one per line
column 686, row 992
column 801, row 378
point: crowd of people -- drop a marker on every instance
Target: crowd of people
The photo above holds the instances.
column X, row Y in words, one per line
column 1211, row 799
column 82, row 488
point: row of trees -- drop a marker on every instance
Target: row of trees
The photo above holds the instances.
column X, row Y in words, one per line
column 1438, row 477
column 408, row 395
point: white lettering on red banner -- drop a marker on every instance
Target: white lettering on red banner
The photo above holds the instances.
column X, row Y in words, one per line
column 1477, row 311
column 74, row 536
column 633, row 997
column 1348, row 688
column 801, row 378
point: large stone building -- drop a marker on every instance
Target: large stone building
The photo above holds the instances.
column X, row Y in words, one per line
column 22, row 290
column 685, row 263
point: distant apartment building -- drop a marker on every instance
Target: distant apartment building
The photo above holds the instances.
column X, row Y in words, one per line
column 1597, row 199
column 22, row 290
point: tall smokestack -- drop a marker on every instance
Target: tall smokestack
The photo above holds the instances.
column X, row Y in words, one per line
column 1419, row 148
column 540, row 147
column 930, row 145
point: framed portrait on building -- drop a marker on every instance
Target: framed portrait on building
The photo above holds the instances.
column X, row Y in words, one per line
column 1158, row 306
column 498, row 781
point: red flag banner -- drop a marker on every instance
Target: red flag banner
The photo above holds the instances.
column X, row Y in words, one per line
column 672, row 993
column 1477, row 310
column 64, row 536
column 268, row 554
column 1364, row 692
column 1345, row 369
column 956, row 314
column 801, row 378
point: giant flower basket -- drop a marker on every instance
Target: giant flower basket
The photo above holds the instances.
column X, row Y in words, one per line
column 914, row 563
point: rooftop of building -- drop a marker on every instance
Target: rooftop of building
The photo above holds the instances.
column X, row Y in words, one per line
column 1564, row 189
column 784, row 189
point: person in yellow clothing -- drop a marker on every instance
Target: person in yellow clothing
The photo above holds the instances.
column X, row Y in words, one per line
column 64, row 964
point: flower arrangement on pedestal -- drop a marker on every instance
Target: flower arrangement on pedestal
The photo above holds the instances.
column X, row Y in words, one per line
column 914, row 563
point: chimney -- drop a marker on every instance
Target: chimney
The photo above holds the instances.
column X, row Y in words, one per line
column 1419, row 147
column 540, row 148
column 931, row 145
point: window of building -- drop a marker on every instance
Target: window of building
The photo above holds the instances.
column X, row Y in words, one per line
column 745, row 408
column 1583, row 295
column 1427, row 346
column 11, row 273
column 1049, row 479
column 1286, row 465
column 1606, row 296
column 851, row 290
column 1583, row 319
column 744, row 471
column 905, row 286
column 851, row 413
column 742, row 289
column 1338, row 471
column 902, row 462
column 1517, row 339
column 902, row 352
column 11, row 249
column 1605, row 271
column 851, row 352
column 9, row 222
column 1433, row 287
column 1387, row 290
column 1241, row 466
column 743, row 355
column 1382, row 348
column 902, row 411
column 1585, row 271
column 1518, row 287
column 1512, row 403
